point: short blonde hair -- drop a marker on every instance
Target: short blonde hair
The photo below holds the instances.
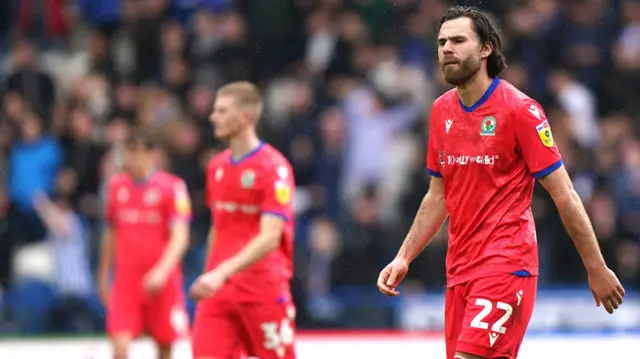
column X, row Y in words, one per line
column 246, row 94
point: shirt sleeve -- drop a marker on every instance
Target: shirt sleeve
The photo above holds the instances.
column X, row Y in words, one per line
column 278, row 190
column 180, row 204
column 433, row 155
column 534, row 138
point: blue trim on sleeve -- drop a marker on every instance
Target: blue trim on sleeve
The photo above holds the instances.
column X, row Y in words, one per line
column 547, row 171
column 277, row 214
column 434, row 173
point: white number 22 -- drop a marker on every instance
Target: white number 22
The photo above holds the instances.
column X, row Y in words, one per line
column 478, row 320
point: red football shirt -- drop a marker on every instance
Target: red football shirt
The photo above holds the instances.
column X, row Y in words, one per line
column 140, row 214
column 489, row 156
column 239, row 192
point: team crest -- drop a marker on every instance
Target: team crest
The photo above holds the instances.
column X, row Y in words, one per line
column 151, row 197
column 488, row 127
column 544, row 132
column 283, row 192
column 123, row 195
column 247, row 179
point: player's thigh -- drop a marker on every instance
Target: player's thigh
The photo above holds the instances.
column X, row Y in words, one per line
column 124, row 313
column 498, row 311
column 454, row 311
column 216, row 332
column 270, row 329
column 165, row 317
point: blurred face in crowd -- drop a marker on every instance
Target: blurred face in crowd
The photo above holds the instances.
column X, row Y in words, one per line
column 139, row 160
column 31, row 128
column 228, row 118
column 459, row 51
column 25, row 56
column 82, row 125
column 117, row 131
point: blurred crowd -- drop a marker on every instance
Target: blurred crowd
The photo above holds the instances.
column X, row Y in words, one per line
column 347, row 84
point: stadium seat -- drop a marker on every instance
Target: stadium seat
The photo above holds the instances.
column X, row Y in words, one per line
column 98, row 311
column 29, row 302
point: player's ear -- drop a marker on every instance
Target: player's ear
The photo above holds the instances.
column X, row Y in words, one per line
column 487, row 49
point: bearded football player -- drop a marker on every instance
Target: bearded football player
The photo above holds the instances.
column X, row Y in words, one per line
column 488, row 144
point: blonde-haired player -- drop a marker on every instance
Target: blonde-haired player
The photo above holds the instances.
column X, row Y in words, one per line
column 245, row 305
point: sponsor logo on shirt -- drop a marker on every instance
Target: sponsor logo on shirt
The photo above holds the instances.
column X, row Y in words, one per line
column 218, row 175
column 283, row 192
column 122, row 195
column 182, row 202
column 534, row 111
column 544, row 132
column 232, row 207
column 488, row 127
column 134, row 216
column 465, row 160
column 283, row 172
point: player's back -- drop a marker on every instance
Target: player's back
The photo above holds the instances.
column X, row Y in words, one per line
column 239, row 192
column 488, row 156
column 140, row 214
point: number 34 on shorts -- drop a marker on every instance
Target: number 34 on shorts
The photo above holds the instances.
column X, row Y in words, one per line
column 278, row 336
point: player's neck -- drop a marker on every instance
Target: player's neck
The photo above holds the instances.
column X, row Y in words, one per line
column 243, row 145
column 474, row 89
column 143, row 176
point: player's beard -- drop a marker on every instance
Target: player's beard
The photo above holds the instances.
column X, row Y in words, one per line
column 463, row 73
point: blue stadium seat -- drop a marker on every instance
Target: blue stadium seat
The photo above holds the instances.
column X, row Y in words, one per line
column 98, row 311
column 30, row 302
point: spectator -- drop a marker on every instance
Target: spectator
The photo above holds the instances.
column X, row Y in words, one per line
column 33, row 167
column 35, row 86
column 72, row 277
column 347, row 87
column 82, row 154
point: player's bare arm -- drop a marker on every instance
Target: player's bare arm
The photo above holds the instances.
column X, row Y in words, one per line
column 604, row 284
column 271, row 229
column 171, row 257
column 428, row 220
column 106, row 261
column 211, row 237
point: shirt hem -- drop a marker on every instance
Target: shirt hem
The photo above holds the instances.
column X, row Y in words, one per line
column 457, row 279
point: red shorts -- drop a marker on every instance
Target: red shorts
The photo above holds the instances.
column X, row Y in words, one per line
column 488, row 316
column 230, row 330
column 131, row 311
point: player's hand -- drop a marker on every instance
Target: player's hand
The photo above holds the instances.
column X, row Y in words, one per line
column 391, row 276
column 103, row 289
column 606, row 289
column 207, row 284
column 154, row 281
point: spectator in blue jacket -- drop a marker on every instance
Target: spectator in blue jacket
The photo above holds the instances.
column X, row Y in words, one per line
column 34, row 163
